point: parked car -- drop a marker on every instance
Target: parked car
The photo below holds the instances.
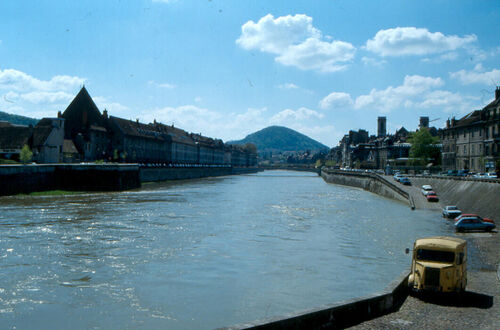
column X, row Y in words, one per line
column 452, row 173
column 425, row 189
column 397, row 176
column 473, row 223
column 432, row 197
column 474, row 216
column 451, row 211
column 405, row 181
column 480, row 175
column 462, row 172
column 491, row 175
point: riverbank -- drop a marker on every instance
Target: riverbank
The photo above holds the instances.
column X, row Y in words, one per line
column 476, row 309
column 25, row 179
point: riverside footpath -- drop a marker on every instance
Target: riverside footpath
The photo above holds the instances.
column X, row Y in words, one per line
column 479, row 306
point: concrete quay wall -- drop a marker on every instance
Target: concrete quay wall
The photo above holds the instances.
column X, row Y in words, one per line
column 151, row 174
column 368, row 181
column 23, row 179
column 341, row 315
column 471, row 196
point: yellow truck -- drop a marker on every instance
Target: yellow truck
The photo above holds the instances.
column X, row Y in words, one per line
column 439, row 264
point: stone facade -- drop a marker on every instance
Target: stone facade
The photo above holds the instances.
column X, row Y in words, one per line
column 473, row 141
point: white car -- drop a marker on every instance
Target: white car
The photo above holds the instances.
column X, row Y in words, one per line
column 451, row 211
column 426, row 189
column 491, row 175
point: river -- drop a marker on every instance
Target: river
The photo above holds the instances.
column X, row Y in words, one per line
column 199, row 254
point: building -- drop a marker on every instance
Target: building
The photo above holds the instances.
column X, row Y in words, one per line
column 473, row 141
column 12, row 140
column 48, row 140
column 381, row 126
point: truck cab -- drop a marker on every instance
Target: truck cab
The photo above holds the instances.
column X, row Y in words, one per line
column 439, row 264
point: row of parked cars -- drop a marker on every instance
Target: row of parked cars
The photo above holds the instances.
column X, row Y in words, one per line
column 465, row 222
column 429, row 193
column 402, row 179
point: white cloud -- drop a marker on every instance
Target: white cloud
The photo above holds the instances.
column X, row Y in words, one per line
column 314, row 54
column 369, row 61
column 415, row 41
column 114, row 108
column 47, row 97
column 477, row 76
column 276, row 35
column 401, row 96
column 162, row 85
column 288, row 116
column 288, row 86
column 18, row 81
column 295, row 42
column 336, row 100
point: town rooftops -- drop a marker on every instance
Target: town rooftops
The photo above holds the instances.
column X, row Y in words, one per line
column 14, row 137
column 135, row 128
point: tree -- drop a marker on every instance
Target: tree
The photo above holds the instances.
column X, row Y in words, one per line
column 423, row 146
column 26, row 154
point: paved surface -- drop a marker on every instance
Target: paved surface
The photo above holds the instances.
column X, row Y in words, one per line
column 419, row 199
column 477, row 308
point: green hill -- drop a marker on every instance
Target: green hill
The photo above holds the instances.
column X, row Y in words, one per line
column 276, row 139
column 17, row 120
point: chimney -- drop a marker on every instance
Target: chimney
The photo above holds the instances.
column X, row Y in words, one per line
column 105, row 114
column 497, row 93
column 448, row 123
column 453, row 122
column 59, row 114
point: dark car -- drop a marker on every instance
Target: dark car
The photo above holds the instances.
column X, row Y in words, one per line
column 404, row 180
column 473, row 223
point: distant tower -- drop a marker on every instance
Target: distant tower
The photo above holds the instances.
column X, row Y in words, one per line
column 424, row 122
column 381, row 131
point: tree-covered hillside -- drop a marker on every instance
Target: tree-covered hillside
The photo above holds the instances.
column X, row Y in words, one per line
column 281, row 139
column 18, row 120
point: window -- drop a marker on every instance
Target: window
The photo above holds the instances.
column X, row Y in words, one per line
column 433, row 255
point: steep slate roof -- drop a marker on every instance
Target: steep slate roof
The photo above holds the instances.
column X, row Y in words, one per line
column 80, row 114
column 470, row 119
column 14, row 137
column 493, row 104
column 134, row 128
column 40, row 135
column 177, row 135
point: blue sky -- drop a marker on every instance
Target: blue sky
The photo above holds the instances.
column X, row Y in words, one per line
column 229, row 68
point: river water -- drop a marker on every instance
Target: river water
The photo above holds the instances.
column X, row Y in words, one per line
column 199, row 254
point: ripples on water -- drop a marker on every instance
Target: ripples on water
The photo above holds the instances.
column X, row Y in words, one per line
column 199, row 254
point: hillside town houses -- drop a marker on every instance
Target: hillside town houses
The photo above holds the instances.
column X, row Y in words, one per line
column 471, row 143
column 82, row 134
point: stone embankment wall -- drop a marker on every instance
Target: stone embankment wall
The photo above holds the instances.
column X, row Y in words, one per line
column 150, row 174
column 24, row 179
column 367, row 181
column 19, row 179
column 471, row 196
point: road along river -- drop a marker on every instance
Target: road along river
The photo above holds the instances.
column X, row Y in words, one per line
column 199, row 254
